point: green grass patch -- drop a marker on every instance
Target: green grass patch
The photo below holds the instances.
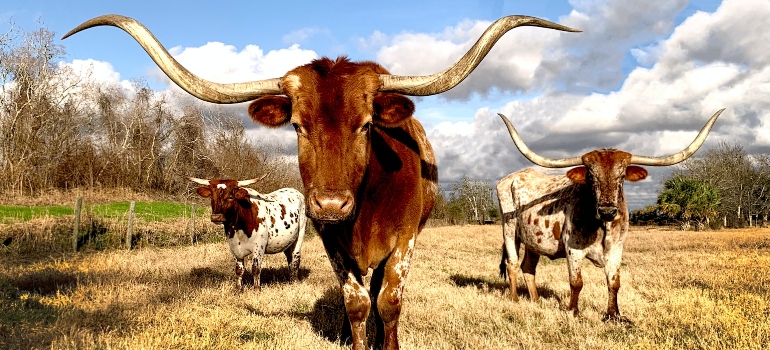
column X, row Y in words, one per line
column 12, row 213
column 149, row 211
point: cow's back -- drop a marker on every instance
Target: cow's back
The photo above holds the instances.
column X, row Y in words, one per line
column 282, row 215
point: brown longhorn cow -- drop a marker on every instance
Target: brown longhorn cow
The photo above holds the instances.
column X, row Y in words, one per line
column 582, row 214
column 368, row 170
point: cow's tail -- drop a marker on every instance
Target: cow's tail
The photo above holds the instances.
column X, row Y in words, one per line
column 504, row 264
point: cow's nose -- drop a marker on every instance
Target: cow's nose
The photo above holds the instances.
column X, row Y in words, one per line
column 607, row 213
column 331, row 206
column 217, row 218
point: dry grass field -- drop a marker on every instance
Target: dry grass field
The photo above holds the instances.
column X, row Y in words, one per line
column 683, row 290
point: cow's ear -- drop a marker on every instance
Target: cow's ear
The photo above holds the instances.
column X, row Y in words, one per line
column 204, row 192
column 241, row 194
column 391, row 108
column 271, row 110
column 635, row 173
column 578, row 175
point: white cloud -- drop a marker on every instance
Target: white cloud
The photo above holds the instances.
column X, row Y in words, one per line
column 532, row 59
column 223, row 63
column 97, row 72
column 656, row 111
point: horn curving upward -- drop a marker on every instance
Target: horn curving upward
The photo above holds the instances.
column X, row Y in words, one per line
column 425, row 85
column 641, row 160
column 193, row 84
column 685, row 153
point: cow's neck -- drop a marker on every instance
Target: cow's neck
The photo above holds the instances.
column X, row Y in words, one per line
column 243, row 220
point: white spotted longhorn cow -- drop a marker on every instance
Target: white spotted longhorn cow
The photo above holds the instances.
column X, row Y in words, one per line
column 257, row 223
column 580, row 215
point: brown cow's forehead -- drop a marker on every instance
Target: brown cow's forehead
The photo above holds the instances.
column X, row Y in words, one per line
column 222, row 184
column 607, row 160
column 338, row 78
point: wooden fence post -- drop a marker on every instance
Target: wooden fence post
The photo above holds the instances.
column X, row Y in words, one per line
column 130, row 231
column 78, row 206
column 192, row 224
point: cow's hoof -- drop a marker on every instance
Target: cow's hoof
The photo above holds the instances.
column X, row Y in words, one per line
column 617, row 318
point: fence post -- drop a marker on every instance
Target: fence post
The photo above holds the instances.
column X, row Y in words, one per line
column 78, row 206
column 192, row 224
column 130, row 231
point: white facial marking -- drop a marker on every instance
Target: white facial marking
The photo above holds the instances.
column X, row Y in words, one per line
column 222, row 186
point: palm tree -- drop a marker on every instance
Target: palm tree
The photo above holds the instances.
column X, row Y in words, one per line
column 687, row 199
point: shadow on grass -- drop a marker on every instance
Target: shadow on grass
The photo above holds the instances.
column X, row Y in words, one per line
column 327, row 318
column 45, row 282
column 270, row 275
column 500, row 286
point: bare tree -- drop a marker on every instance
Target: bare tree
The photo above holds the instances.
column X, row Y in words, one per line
column 477, row 197
column 40, row 117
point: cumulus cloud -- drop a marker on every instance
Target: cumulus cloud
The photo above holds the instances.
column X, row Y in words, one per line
column 656, row 111
column 98, row 72
column 223, row 63
column 532, row 59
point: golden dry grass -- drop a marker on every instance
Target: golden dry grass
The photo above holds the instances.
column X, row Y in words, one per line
column 683, row 290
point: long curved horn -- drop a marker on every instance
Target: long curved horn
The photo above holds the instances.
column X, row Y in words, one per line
column 684, row 154
column 242, row 183
column 437, row 83
column 195, row 179
column 534, row 157
column 196, row 86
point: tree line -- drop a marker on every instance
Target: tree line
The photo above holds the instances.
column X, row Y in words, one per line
column 725, row 187
column 59, row 129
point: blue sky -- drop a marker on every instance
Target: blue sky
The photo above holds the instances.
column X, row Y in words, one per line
column 642, row 77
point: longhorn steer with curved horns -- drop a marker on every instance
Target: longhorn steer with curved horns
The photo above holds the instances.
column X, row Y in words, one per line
column 257, row 223
column 580, row 215
column 368, row 170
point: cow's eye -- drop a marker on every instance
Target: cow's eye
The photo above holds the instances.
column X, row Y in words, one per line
column 298, row 128
column 366, row 128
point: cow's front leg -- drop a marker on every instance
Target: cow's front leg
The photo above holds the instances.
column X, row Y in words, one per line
column 574, row 258
column 355, row 297
column 612, row 272
column 238, row 275
column 391, row 294
column 256, row 266
column 357, row 305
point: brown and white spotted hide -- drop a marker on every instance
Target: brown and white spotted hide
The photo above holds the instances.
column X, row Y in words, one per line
column 257, row 224
column 580, row 215
column 370, row 180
